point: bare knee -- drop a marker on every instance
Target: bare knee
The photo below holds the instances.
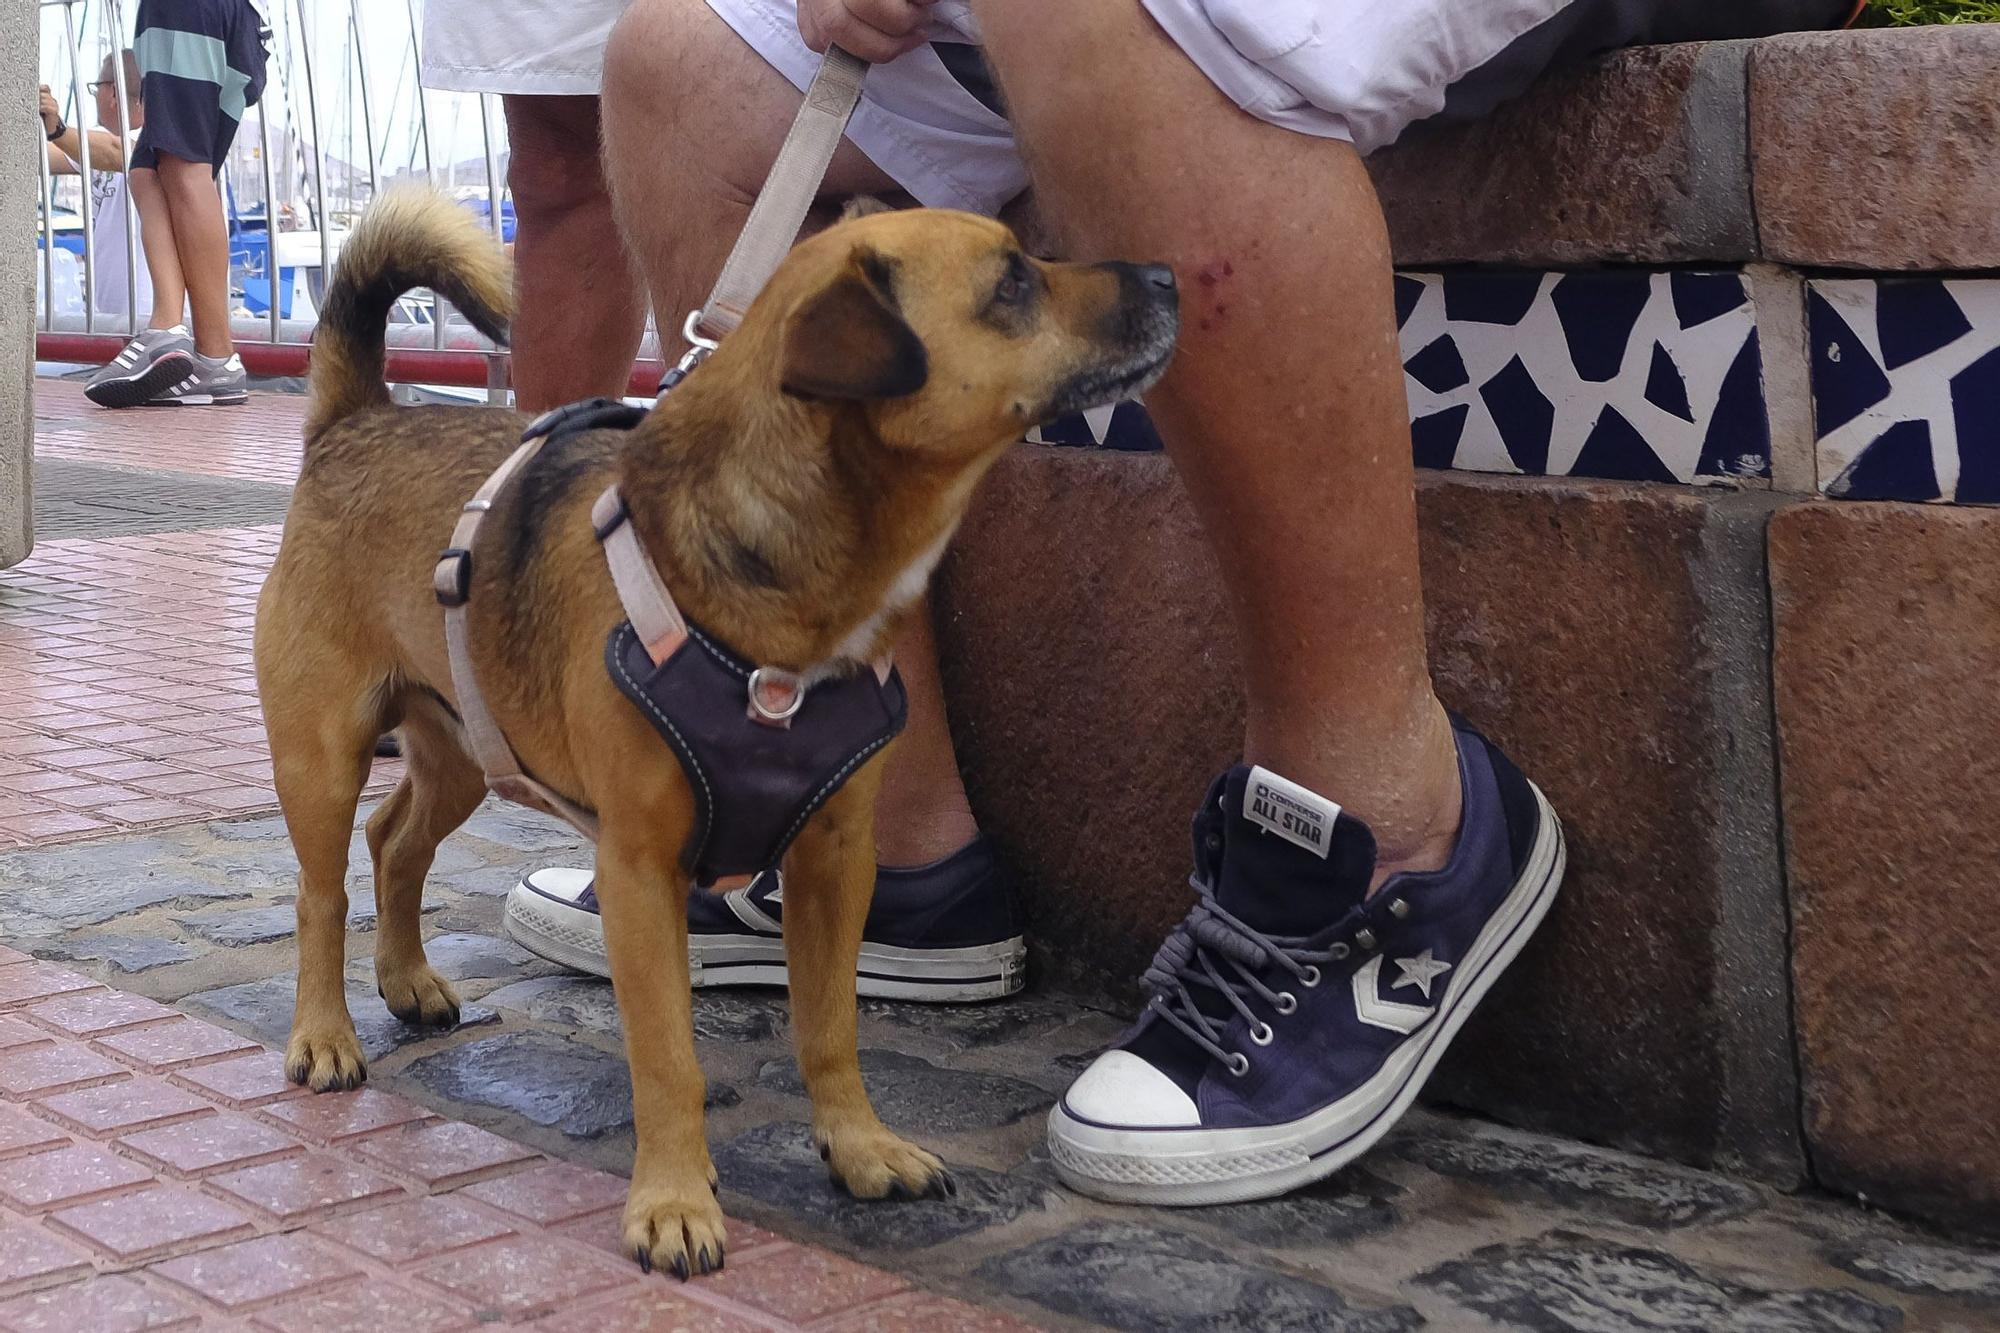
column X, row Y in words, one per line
column 553, row 168
column 685, row 103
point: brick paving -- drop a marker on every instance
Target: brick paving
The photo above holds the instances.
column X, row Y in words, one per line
column 131, row 701
column 258, row 441
column 203, row 1191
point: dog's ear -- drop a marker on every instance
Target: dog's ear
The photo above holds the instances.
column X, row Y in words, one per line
column 847, row 341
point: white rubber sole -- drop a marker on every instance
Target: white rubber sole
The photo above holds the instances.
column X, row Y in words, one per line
column 1185, row 1167
column 575, row 938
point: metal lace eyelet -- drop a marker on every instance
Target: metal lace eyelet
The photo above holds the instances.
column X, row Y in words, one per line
column 1311, row 977
column 1262, row 1034
column 1239, row 1064
column 1399, row 908
column 1365, row 938
column 1287, row 1002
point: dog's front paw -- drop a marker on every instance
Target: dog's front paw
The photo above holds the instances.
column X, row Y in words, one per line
column 875, row 1164
column 326, row 1059
column 419, row 995
column 678, row 1230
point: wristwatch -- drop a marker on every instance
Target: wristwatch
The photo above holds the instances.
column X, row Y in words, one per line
column 59, row 131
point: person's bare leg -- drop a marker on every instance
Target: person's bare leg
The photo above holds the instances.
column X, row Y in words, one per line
column 163, row 260
column 1284, row 410
column 680, row 198
column 922, row 813
column 201, row 239
column 581, row 307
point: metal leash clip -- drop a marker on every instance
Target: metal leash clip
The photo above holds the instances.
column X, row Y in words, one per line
column 699, row 346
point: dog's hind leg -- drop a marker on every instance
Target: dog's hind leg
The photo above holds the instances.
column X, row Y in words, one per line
column 440, row 789
column 322, row 721
column 829, row 879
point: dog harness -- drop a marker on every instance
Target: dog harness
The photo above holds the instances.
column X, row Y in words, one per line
column 762, row 748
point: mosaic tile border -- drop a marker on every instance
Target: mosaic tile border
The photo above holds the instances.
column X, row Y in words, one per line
column 1906, row 387
column 1636, row 375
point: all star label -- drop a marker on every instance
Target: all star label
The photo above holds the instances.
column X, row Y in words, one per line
column 1296, row 814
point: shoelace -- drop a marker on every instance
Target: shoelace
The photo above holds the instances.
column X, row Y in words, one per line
column 1210, row 935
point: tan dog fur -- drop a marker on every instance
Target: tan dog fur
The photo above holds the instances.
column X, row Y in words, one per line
column 794, row 492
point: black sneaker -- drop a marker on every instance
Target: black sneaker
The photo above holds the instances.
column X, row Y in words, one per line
column 945, row 932
column 1293, row 1018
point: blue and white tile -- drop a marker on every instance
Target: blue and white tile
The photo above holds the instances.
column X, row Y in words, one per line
column 1627, row 374
column 1636, row 375
column 1906, row 387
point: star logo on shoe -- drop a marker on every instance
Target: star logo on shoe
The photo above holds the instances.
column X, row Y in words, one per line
column 1420, row 972
column 1372, row 1009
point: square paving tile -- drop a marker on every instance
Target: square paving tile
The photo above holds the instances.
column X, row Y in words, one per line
column 94, row 1013
column 21, row 1133
column 655, row 1309
column 249, row 1080
column 553, row 1193
column 442, row 1155
column 298, row 1186
column 160, row 1219
column 114, row 1303
column 171, row 1044
column 527, row 1276
column 32, row 1069
column 235, row 1276
column 133, row 1103
column 29, row 1255
column 801, row 1285
column 213, row 1143
column 333, row 1117
column 410, row 1231
column 62, row 1176
column 14, row 1032
column 375, row 1303
column 23, row 983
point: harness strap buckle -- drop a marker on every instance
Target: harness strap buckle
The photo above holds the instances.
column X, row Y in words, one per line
column 452, row 579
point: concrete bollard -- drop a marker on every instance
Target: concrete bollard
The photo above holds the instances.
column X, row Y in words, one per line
column 19, row 142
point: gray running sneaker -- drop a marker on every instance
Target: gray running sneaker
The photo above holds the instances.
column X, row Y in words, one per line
column 154, row 360
column 221, row 383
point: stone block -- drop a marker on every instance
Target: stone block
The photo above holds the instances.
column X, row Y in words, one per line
column 20, row 161
column 1612, row 638
column 1638, row 157
column 1887, row 628
column 1875, row 149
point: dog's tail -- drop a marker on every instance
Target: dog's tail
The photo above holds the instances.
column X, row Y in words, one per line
column 411, row 237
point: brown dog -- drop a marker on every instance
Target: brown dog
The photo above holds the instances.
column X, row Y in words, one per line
column 794, row 493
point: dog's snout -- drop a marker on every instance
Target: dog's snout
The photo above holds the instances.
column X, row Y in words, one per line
column 1157, row 275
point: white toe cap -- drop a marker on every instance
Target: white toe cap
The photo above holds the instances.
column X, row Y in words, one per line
column 563, row 883
column 1120, row 1089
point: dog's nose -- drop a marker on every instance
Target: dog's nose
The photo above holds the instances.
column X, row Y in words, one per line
column 1157, row 275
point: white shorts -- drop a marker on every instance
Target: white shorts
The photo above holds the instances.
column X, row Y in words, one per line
column 542, row 47
column 1358, row 70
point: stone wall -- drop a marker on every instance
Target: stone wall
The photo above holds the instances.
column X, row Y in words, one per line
column 1683, row 298
column 19, row 145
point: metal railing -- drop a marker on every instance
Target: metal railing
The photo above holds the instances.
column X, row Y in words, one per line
column 288, row 163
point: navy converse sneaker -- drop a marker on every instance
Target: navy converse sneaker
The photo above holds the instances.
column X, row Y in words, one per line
column 947, row 931
column 1291, row 1022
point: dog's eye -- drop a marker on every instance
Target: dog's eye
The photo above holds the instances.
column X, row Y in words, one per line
column 1016, row 284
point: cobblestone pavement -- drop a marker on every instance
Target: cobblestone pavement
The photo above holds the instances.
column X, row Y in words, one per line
column 1452, row 1224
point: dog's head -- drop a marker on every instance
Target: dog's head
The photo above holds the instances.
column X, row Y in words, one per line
column 951, row 338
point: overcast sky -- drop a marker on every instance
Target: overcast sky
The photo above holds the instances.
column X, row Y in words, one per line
column 384, row 48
